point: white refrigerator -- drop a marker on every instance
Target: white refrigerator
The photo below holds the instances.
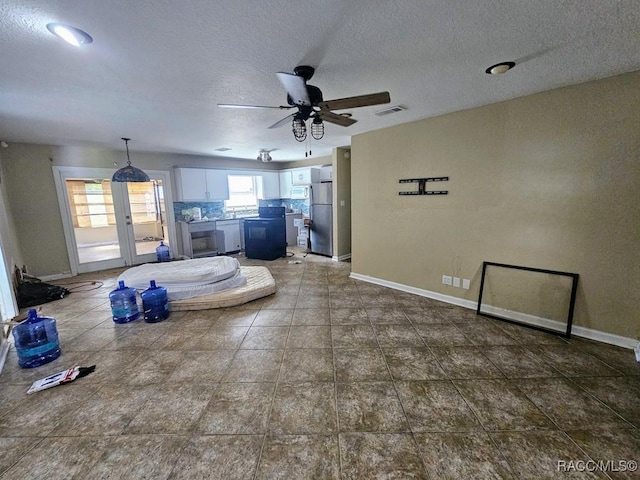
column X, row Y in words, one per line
column 321, row 216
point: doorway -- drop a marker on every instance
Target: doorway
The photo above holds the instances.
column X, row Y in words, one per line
column 110, row 225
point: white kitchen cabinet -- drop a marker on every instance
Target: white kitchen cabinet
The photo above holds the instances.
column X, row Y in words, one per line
column 326, row 173
column 285, row 183
column 217, row 184
column 305, row 176
column 270, row 185
column 228, row 236
column 201, row 185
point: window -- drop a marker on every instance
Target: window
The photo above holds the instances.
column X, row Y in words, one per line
column 242, row 192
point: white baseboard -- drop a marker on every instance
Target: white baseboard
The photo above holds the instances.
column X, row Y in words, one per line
column 604, row 337
column 576, row 330
column 526, row 318
column 4, row 350
column 417, row 291
column 341, row 258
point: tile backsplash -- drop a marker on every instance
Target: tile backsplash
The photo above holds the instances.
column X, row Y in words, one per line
column 293, row 204
column 208, row 209
column 216, row 209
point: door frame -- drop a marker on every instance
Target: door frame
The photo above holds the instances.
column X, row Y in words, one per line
column 62, row 173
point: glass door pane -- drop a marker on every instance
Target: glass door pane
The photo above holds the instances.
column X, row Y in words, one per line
column 93, row 218
column 148, row 217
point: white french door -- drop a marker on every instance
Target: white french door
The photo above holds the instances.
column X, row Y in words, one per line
column 110, row 225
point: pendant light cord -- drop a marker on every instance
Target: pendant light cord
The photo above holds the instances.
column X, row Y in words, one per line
column 126, row 143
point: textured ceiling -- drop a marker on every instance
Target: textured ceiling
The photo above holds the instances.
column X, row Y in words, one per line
column 157, row 69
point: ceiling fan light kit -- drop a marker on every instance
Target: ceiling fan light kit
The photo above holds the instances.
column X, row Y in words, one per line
column 264, row 156
column 317, row 128
column 299, row 129
column 309, row 101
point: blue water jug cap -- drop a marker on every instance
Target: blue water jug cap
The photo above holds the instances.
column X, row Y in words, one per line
column 121, row 284
column 32, row 315
column 161, row 243
column 152, row 284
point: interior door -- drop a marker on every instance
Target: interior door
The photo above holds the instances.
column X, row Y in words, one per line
column 109, row 225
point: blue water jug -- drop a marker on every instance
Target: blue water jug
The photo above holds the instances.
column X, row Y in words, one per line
column 162, row 252
column 36, row 340
column 155, row 303
column 124, row 304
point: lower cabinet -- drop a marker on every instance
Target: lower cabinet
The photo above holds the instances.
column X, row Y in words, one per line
column 228, row 236
column 211, row 238
column 198, row 239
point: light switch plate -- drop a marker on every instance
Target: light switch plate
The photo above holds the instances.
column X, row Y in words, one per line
column 446, row 279
column 456, row 282
column 466, row 283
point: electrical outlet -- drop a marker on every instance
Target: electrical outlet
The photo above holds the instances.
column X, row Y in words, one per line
column 456, row 282
column 446, row 279
column 466, row 283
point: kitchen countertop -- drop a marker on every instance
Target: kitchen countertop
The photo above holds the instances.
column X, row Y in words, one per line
column 231, row 217
column 219, row 219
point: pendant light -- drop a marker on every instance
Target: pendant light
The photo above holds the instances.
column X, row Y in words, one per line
column 129, row 173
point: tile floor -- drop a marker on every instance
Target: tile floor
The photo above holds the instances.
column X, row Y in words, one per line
column 328, row 378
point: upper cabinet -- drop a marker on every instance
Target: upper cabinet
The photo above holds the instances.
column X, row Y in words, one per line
column 305, row 176
column 285, row 183
column 201, row 185
column 326, row 173
column 270, row 185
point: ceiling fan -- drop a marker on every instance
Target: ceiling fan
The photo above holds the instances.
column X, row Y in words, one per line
column 311, row 106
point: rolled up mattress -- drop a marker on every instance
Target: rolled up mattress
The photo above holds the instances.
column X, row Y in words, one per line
column 186, row 273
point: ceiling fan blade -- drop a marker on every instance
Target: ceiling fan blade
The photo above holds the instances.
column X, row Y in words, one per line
column 296, row 87
column 358, row 101
column 282, row 122
column 233, row 105
column 331, row 117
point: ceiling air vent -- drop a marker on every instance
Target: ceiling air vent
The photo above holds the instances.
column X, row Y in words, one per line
column 222, row 149
column 387, row 111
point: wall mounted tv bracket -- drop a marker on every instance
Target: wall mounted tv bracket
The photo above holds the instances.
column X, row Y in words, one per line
column 422, row 186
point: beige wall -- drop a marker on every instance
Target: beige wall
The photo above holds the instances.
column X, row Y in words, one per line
column 342, row 194
column 11, row 254
column 8, row 239
column 549, row 181
column 33, row 203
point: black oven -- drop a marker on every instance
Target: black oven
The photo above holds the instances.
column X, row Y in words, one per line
column 265, row 237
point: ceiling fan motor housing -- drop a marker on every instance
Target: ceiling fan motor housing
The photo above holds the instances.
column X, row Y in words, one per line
column 304, row 71
column 315, row 96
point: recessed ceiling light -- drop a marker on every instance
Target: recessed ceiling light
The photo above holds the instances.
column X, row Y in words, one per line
column 500, row 68
column 69, row 34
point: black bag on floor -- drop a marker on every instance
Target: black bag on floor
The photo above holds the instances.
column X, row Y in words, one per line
column 37, row 293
